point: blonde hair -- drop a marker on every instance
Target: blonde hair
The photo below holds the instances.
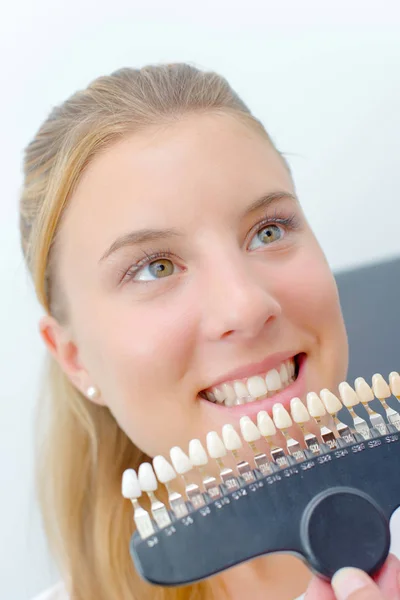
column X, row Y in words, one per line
column 82, row 452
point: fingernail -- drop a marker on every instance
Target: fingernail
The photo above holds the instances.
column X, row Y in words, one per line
column 347, row 581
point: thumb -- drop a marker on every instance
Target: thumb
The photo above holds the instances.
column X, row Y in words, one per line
column 354, row 584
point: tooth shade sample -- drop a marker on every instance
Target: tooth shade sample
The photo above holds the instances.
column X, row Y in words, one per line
column 315, row 405
column 164, row 471
column 180, row 460
column 231, row 438
column 281, row 416
column 273, row 381
column 256, row 386
column 215, row 445
column 348, row 395
column 363, row 390
column 380, row 387
column 197, row 454
column 394, row 380
column 147, row 478
column 130, row 484
column 249, row 430
column 299, row 412
column 331, row 402
column 265, row 424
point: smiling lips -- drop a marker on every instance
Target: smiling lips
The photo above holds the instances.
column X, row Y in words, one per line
column 264, row 385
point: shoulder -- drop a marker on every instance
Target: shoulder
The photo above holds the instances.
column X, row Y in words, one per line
column 58, row 592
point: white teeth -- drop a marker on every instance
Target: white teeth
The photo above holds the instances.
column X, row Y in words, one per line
column 197, row 454
column 240, row 389
column 215, row 445
column 331, row 402
column 380, row 387
column 348, row 395
column 164, row 471
column 147, row 478
column 180, row 460
column 363, row 390
column 249, row 430
column 219, row 394
column 227, row 390
column 265, row 424
column 281, row 416
column 230, row 402
column 256, row 386
column 273, row 381
column 315, row 406
column 283, row 374
column 291, row 368
column 299, row 412
column 394, row 380
column 242, row 400
column 231, row 438
column 130, row 484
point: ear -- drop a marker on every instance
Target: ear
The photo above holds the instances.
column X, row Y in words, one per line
column 64, row 350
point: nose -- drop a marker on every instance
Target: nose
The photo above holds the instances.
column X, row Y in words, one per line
column 237, row 300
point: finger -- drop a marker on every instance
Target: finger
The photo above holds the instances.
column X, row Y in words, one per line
column 388, row 581
column 319, row 590
column 354, row 584
column 388, row 578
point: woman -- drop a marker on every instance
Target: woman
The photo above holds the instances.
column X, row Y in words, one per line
column 171, row 255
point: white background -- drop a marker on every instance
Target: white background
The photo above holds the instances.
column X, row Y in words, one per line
column 324, row 77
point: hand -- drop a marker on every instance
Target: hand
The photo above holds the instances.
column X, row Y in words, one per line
column 353, row 584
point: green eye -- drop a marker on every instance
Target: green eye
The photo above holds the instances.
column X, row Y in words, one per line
column 161, row 268
column 266, row 235
column 269, row 234
column 151, row 268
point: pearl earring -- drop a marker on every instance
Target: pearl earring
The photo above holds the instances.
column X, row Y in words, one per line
column 92, row 392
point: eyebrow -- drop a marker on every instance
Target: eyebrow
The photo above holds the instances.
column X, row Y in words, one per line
column 150, row 235
column 267, row 200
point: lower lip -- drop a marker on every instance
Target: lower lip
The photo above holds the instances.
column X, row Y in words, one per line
column 294, row 390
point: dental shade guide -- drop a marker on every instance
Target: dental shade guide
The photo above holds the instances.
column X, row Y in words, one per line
column 382, row 391
column 331, row 507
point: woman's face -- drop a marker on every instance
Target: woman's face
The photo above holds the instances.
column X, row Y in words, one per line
column 186, row 264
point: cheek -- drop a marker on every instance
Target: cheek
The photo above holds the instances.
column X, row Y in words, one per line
column 313, row 292
column 311, row 302
column 137, row 337
column 140, row 358
column 306, row 283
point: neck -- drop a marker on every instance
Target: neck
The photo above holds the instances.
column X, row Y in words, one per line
column 277, row 577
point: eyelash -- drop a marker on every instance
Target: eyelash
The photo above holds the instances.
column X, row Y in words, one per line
column 149, row 258
column 290, row 223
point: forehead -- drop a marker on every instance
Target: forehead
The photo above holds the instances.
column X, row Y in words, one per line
column 202, row 158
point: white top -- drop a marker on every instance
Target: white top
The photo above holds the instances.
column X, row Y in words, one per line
column 59, row 593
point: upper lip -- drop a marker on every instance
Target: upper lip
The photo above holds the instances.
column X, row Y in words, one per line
column 271, row 362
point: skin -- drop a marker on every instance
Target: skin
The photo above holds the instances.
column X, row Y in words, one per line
column 385, row 585
column 230, row 299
